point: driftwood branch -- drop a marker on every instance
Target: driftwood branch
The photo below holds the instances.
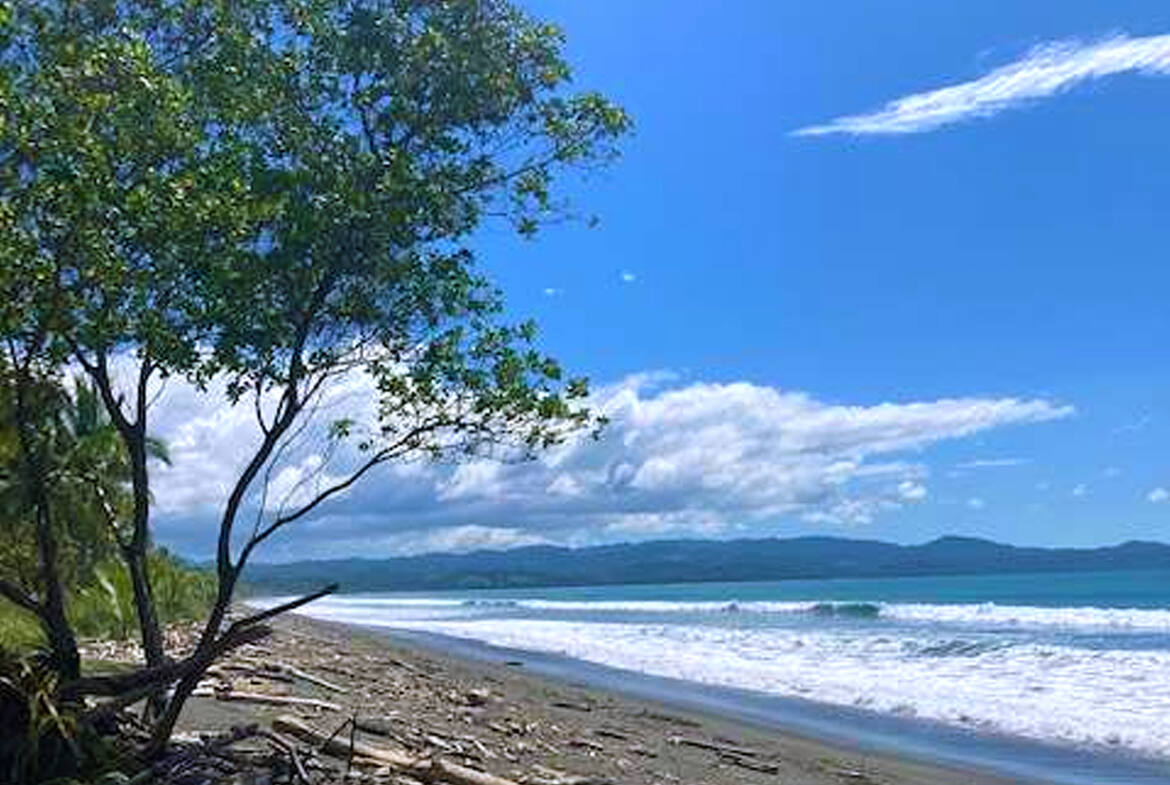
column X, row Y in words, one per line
column 260, row 697
column 425, row 769
column 281, row 671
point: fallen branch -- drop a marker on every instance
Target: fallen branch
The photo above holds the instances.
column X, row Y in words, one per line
column 260, row 697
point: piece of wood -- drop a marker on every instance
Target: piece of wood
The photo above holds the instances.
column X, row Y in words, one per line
column 269, row 700
column 428, row 770
column 292, row 671
column 747, row 763
column 331, row 745
column 256, row 673
column 712, row 746
column 572, row 706
column 455, row 774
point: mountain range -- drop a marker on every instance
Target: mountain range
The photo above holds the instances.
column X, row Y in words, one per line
column 687, row 561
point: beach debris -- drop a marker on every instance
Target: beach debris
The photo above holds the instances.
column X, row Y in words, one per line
column 747, row 763
column 284, row 670
column 684, row 722
column 477, row 697
column 572, row 705
column 426, row 768
column 378, row 726
column 713, row 746
column 265, row 698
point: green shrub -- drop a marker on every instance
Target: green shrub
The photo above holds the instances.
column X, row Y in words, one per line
column 105, row 608
column 41, row 739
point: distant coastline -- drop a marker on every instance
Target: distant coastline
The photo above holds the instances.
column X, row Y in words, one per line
column 695, row 561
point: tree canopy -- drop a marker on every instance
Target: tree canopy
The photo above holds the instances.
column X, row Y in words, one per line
column 274, row 194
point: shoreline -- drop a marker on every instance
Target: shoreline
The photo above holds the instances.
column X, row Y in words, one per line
column 843, row 729
column 513, row 720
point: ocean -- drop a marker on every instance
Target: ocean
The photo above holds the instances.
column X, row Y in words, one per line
column 1074, row 661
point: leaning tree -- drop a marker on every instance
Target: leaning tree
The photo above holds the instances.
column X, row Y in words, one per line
column 265, row 197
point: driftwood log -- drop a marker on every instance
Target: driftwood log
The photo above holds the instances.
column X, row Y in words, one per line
column 260, row 697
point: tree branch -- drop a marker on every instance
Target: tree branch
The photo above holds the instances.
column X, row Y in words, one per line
column 382, row 456
column 292, row 605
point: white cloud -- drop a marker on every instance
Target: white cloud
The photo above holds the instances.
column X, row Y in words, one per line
column 975, row 503
column 1158, row 496
column 695, row 458
column 1080, row 490
column 911, row 491
column 1112, row 472
column 552, row 291
column 628, row 277
column 992, row 463
column 1046, row 70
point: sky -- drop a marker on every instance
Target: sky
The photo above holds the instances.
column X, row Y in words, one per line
column 882, row 269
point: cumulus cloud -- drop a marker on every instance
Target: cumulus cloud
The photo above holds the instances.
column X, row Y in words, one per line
column 1158, row 496
column 677, row 458
column 1080, row 490
column 628, row 277
column 1046, row 70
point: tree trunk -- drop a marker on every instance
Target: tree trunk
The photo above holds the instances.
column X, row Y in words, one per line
column 145, row 608
column 135, row 556
column 204, row 655
column 62, row 643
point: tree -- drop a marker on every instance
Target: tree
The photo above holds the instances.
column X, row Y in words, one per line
column 58, row 451
column 272, row 195
column 32, row 522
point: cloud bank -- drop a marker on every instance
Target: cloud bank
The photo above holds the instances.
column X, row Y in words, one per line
column 1046, row 70
column 698, row 458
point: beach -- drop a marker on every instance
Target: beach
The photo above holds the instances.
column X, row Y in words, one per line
column 499, row 718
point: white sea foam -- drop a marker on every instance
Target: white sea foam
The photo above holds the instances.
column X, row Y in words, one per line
column 1052, row 693
column 981, row 614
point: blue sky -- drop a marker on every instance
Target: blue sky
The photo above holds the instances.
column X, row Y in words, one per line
column 1022, row 254
column 1006, row 247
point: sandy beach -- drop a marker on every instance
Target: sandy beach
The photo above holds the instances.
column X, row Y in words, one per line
column 496, row 717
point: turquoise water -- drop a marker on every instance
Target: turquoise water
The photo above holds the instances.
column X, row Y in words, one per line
column 1122, row 589
column 1079, row 660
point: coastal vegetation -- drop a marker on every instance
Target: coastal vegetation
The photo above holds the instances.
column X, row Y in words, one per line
column 265, row 199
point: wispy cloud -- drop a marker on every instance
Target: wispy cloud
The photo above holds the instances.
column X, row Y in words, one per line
column 1158, row 496
column 628, row 277
column 1047, row 70
column 992, row 463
